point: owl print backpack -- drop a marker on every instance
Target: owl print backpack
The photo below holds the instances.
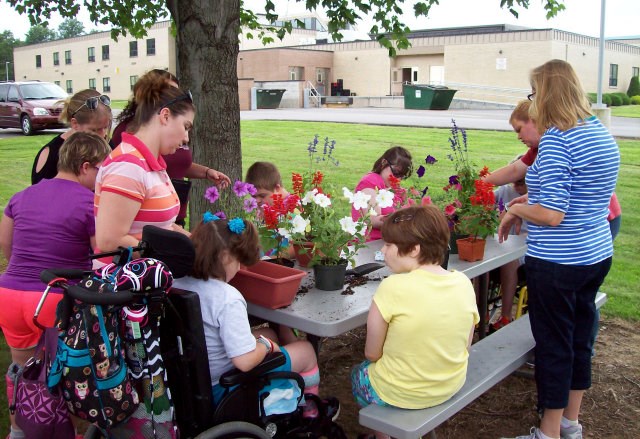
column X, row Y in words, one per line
column 89, row 367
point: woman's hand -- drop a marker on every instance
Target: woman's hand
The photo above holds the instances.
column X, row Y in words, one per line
column 218, row 178
column 508, row 220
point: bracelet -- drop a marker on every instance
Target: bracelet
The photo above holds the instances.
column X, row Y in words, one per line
column 266, row 342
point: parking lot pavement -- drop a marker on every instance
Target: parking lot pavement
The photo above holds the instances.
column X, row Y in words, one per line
column 622, row 127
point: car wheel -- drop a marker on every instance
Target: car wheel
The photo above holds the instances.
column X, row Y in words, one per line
column 27, row 128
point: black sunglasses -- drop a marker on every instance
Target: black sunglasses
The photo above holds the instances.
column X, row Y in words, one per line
column 397, row 174
column 92, row 103
column 401, row 218
column 183, row 97
column 530, row 96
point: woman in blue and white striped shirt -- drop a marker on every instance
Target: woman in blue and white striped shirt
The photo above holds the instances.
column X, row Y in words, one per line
column 569, row 241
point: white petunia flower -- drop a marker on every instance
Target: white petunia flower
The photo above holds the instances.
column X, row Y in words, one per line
column 308, row 197
column 372, row 212
column 322, row 200
column 361, row 200
column 299, row 224
column 348, row 194
column 384, row 198
column 348, row 225
column 284, row 233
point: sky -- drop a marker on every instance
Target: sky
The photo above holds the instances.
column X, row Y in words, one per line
column 581, row 16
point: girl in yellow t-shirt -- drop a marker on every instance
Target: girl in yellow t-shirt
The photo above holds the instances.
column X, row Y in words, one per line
column 421, row 320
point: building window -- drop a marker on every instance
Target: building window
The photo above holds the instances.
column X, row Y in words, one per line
column 105, row 52
column 91, row 54
column 151, row 46
column 92, row 83
column 296, row 73
column 133, row 49
column 132, row 81
column 38, row 60
column 106, row 85
column 57, row 83
column 69, row 86
column 635, row 71
column 613, row 75
column 56, row 58
column 67, row 57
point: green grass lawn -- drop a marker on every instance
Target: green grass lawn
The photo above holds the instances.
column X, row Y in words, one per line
column 626, row 111
column 357, row 148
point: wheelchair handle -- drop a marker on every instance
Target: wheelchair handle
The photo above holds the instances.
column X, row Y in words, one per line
column 49, row 275
column 60, row 276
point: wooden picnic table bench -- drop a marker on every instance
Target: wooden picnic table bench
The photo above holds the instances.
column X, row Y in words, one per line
column 490, row 361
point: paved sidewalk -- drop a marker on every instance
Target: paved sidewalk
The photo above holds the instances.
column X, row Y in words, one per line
column 469, row 119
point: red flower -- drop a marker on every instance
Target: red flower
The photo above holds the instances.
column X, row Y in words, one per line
column 298, row 184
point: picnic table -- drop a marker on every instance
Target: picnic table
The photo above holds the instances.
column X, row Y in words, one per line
column 331, row 313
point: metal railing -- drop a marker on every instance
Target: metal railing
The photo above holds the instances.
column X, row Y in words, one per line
column 314, row 95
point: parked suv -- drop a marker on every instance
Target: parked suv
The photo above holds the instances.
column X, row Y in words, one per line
column 31, row 105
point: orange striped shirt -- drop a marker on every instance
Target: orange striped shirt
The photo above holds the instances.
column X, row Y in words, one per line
column 132, row 171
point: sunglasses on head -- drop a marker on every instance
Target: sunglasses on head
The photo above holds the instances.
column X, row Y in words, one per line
column 186, row 96
column 92, row 103
column 395, row 172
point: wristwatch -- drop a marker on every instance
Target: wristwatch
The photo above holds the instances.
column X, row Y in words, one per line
column 265, row 341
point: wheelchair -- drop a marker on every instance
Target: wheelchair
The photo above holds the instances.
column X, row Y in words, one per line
column 241, row 412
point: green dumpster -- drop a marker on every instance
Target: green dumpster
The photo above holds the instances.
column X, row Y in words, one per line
column 427, row 97
column 269, row 98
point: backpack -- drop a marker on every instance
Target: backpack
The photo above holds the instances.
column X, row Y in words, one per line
column 89, row 366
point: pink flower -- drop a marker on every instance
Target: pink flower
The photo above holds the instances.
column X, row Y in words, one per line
column 212, row 194
column 450, row 210
column 425, row 201
column 250, row 204
column 220, row 215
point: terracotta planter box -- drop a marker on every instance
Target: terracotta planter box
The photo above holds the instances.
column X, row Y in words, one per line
column 470, row 249
column 269, row 285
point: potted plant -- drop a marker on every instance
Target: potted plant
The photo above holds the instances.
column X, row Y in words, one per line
column 467, row 202
column 265, row 284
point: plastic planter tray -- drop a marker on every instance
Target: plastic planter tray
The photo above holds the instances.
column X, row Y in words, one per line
column 269, row 285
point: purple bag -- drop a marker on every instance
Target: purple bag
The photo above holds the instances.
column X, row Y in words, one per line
column 40, row 413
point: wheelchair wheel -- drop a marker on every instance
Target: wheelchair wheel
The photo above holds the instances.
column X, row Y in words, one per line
column 234, row 430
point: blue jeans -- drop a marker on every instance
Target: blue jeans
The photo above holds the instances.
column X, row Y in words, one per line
column 562, row 314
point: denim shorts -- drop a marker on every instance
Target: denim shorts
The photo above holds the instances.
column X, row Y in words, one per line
column 562, row 312
column 361, row 387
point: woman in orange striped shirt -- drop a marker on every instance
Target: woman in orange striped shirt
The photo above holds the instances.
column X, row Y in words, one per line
column 133, row 188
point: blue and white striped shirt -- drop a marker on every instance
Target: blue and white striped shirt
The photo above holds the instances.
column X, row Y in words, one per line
column 575, row 172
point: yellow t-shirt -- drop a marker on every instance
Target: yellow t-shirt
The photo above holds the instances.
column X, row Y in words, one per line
column 424, row 359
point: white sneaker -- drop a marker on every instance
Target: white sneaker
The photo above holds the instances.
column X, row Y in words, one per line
column 533, row 434
column 573, row 432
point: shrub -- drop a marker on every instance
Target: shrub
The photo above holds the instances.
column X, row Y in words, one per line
column 626, row 100
column 616, row 100
column 606, row 99
column 635, row 100
column 634, row 87
column 593, row 97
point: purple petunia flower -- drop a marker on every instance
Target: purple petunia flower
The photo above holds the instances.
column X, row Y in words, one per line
column 453, row 180
column 430, row 160
column 212, row 194
column 250, row 204
column 420, row 171
column 220, row 214
column 240, row 188
column 251, row 189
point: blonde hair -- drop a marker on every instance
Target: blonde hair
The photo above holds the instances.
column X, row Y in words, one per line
column 75, row 108
column 81, row 147
column 559, row 100
column 521, row 112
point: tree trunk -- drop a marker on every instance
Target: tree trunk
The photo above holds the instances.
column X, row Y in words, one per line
column 207, row 52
